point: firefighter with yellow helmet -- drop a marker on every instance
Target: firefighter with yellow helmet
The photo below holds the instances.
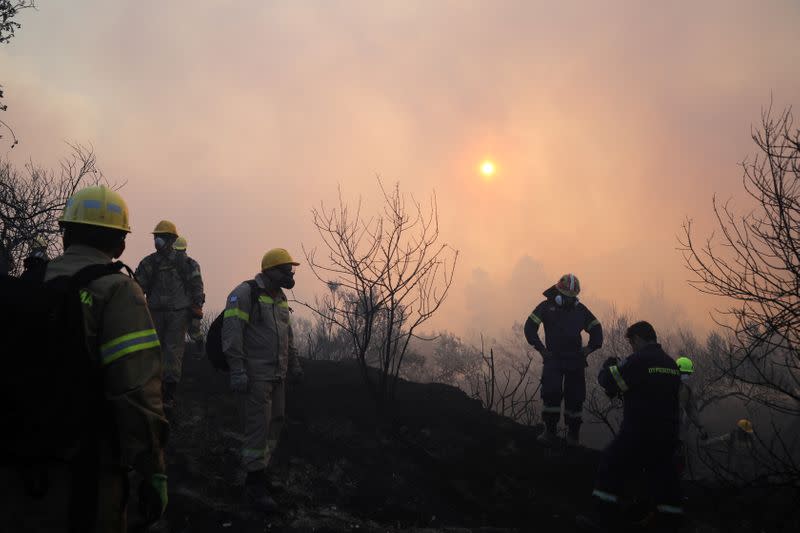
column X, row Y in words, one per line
column 195, row 331
column 738, row 450
column 258, row 343
column 174, row 289
column 129, row 428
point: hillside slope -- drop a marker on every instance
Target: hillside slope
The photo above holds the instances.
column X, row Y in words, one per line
column 439, row 462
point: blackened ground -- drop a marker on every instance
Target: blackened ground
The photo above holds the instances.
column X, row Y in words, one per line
column 436, row 462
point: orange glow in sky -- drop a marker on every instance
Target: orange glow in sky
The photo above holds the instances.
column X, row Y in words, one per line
column 557, row 136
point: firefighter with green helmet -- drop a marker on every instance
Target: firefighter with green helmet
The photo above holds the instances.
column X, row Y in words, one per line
column 690, row 416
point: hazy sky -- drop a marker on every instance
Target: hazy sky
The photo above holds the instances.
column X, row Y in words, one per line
column 610, row 122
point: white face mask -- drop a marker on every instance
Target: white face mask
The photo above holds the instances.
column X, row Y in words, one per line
column 560, row 300
column 685, row 378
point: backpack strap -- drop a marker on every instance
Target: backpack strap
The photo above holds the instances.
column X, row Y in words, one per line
column 182, row 266
column 152, row 282
column 255, row 290
column 90, row 273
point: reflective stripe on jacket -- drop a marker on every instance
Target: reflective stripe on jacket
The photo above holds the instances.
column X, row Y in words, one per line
column 649, row 382
column 562, row 328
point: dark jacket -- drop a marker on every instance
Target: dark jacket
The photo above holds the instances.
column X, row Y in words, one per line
column 562, row 327
column 649, row 382
column 171, row 281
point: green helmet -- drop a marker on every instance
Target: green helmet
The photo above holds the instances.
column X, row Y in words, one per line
column 685, row 365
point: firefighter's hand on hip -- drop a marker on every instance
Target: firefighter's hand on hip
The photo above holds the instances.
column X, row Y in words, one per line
column 239, row 381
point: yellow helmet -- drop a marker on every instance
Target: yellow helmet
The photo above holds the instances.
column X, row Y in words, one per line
column 180, row 244
column 97, row 206
column 745, row 425
column 165, row 226
column 275, row 257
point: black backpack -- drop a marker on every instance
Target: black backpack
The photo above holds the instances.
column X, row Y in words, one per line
column 214, row 337
column 50, row 387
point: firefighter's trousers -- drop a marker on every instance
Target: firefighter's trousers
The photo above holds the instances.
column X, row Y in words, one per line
column 633, row 453
column 171, row 328
column 563, row 379
column 263, row 408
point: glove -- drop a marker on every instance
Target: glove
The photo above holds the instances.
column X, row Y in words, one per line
column 153, row 498
column 296, row 374
column 196, row 311
column 703, row 434
column 611, row 361
column 239, row 381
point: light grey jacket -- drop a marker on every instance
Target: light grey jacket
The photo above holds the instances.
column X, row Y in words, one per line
column 257, row 332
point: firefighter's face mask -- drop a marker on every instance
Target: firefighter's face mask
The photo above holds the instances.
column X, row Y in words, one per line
column 686, row 378
column 163, row 243
column 566, row 301
column 282, row 276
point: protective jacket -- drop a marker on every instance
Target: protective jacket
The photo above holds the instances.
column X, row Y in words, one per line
column 133, row 431
column 257, row 333
column 562, row 327
column 120, row 335
column 648, row 381
column 739, row 454
column 171, row 281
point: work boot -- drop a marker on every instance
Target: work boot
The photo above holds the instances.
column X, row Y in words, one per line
column 667, row 522
column 256, row 493
column 574, row 436
column 604, row 517
column 548, row 437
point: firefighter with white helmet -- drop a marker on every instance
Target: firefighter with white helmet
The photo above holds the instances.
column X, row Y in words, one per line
column 564, row 356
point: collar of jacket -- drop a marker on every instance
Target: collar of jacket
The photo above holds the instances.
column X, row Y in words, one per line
column 550, row 293
column 265, row 285
column 263, row 282
column 654, row 347
column 82, row 250
column 169, row 256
